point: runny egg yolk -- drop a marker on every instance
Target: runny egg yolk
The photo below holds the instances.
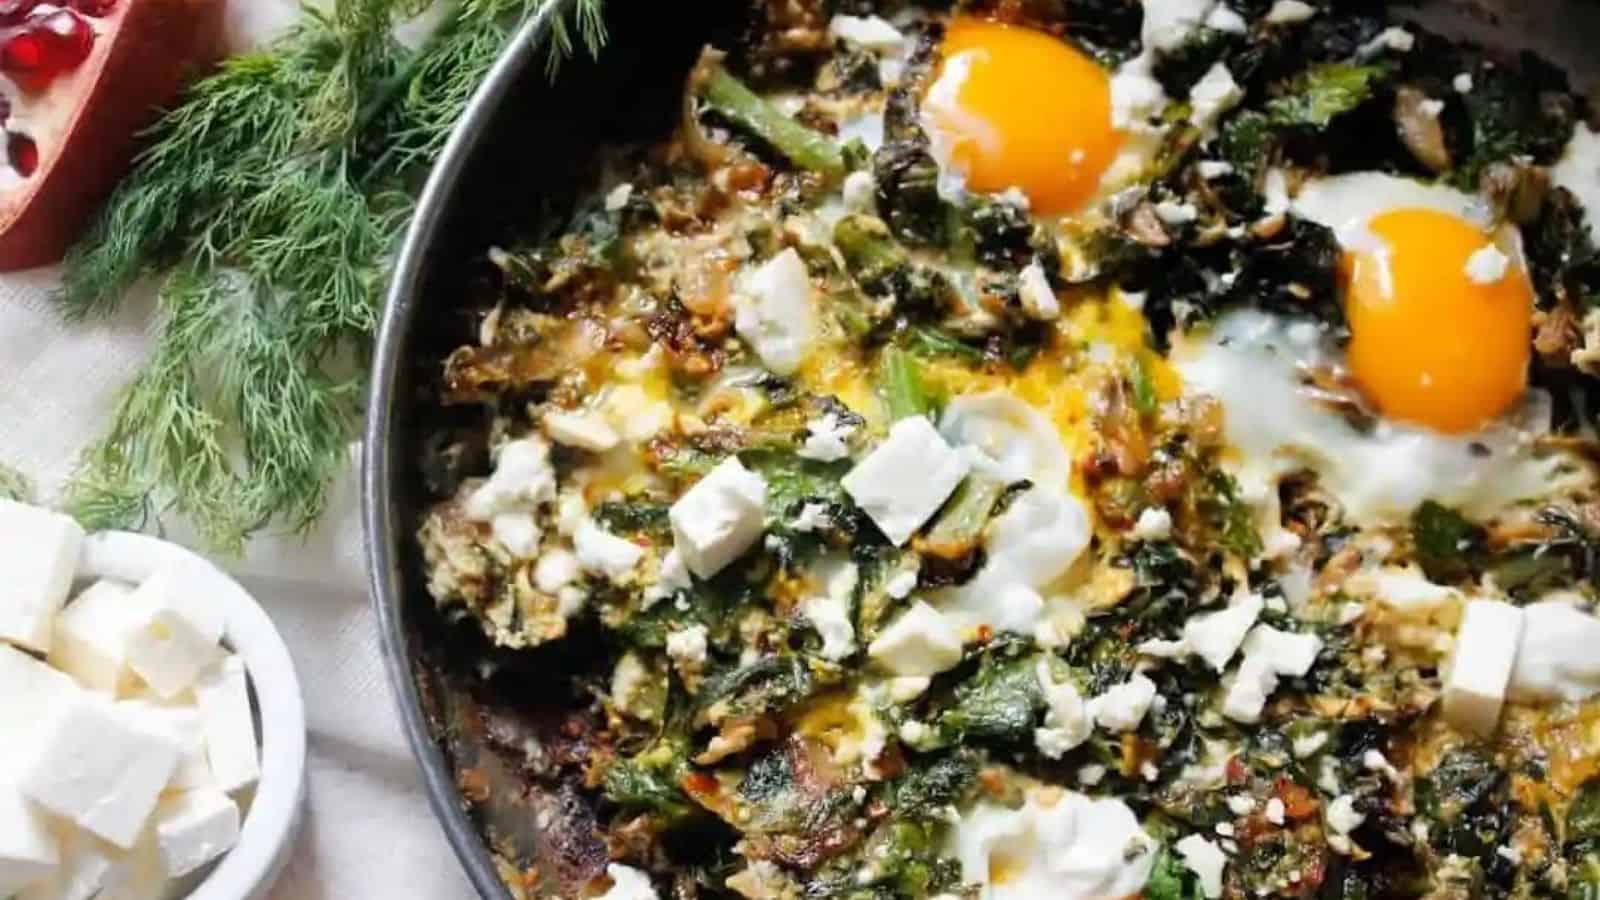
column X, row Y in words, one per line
column 1014, row 107
column 1430, row 343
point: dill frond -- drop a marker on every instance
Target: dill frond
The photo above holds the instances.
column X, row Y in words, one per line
column 14, row 485
column 268, row 204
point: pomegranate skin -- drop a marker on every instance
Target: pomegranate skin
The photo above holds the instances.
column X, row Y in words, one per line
column 146, row 50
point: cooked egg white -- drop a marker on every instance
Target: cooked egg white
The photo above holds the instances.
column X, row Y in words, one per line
column 1275, row 423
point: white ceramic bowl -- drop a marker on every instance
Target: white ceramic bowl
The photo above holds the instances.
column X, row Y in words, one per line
column 273, row 818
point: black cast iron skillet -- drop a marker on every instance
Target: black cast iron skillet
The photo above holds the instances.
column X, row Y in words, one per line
column 524, row 140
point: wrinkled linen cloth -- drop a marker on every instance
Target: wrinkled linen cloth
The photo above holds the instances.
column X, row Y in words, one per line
column 368, row 832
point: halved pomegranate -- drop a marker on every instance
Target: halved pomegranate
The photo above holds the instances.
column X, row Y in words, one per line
column 78, row 80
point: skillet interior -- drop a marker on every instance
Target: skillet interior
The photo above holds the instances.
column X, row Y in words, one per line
column 520, row 149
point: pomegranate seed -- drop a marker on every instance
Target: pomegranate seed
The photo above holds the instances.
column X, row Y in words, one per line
column 23, row 153
column 46, row 46
column 93, row 8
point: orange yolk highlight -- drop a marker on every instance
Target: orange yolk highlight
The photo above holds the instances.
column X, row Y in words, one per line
column 1014, row 107
column 1428, row 344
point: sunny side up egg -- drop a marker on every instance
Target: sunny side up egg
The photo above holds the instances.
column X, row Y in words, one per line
column 1438, row 299
column 1012, row 107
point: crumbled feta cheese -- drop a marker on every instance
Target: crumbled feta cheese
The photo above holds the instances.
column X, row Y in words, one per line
column 1462, row 83
column 630, row 684
column 1154, row 524
column 1308, row 744
column 628, row 883
column 1342, row 815
column 1247, row 696
column 1205, row 860
column 618, row 197
column 100, row 767
column 922, row 641
column 860, row 191
column 603, row 553
column 812, row 517
column 1175, row 213
column 1037, row 296
column 1431, row 107
column 915, row 733
column 1224, row 19
column 1216, row 636
column 1136, row 95
column 1480, row 668
column 1091, row 774
column 1162, row 649
column 556, row 568
column 871, row 32
column 1057, row 844
column 906, row 688
column 91, row 638
column 719, row 518
column 1167, row 23
column 1214, row 94
column 38, row 556
column 193, row 828
column 1275, row 811
column 687, row 647
column 1241, row 805
column 1375, row 761
column 522, row 479
column 635, row 414
column 86, row 867
column 827, row 438
column 581, row 429
column 1392, row 38
column 1213, row 168
column 829, row 610
column 672, row 577
column 1285, row 653
column 1287, row 12
column 169, row 653
column 223, row 697
column 774, row 312
column 1123, row 706
column 1487, row 265
column 1067, row 721
column 904, row 481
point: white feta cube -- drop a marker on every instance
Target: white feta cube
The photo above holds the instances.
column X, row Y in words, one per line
column 168, row 653
column 584, row 430
column 871, row 32
column 1480, row 667
column 29, row 850
column 905, row 479
column 138, row 874
column 193, row 828
column 39, row 552
column 1214, row 94
column 923, row 641
column 1205, row 860
column 30, row 692
column 99, row 765
column 182, row 721
column 1285, row 652
column 603, row 553
column 85, row 863
column 1247, row 694
column 223, row 695
column 1216, row 636
column 1122, row 707
column 187, row 591
column 1037, row 296
column 91, row 638
column 719, row 518
column 775, row 315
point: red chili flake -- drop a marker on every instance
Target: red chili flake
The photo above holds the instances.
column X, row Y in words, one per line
column 1298, row 803
column 1236, row 771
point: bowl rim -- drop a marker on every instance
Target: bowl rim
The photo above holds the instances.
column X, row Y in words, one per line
column 269, row 829
column 378, row 463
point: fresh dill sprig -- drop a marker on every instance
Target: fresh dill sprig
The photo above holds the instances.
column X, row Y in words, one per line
column 268, row 203
column 14, row 485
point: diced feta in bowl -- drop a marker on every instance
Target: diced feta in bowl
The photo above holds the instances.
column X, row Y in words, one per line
column 152, row 737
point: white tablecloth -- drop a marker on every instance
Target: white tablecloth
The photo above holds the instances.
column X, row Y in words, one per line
column 368, row 832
